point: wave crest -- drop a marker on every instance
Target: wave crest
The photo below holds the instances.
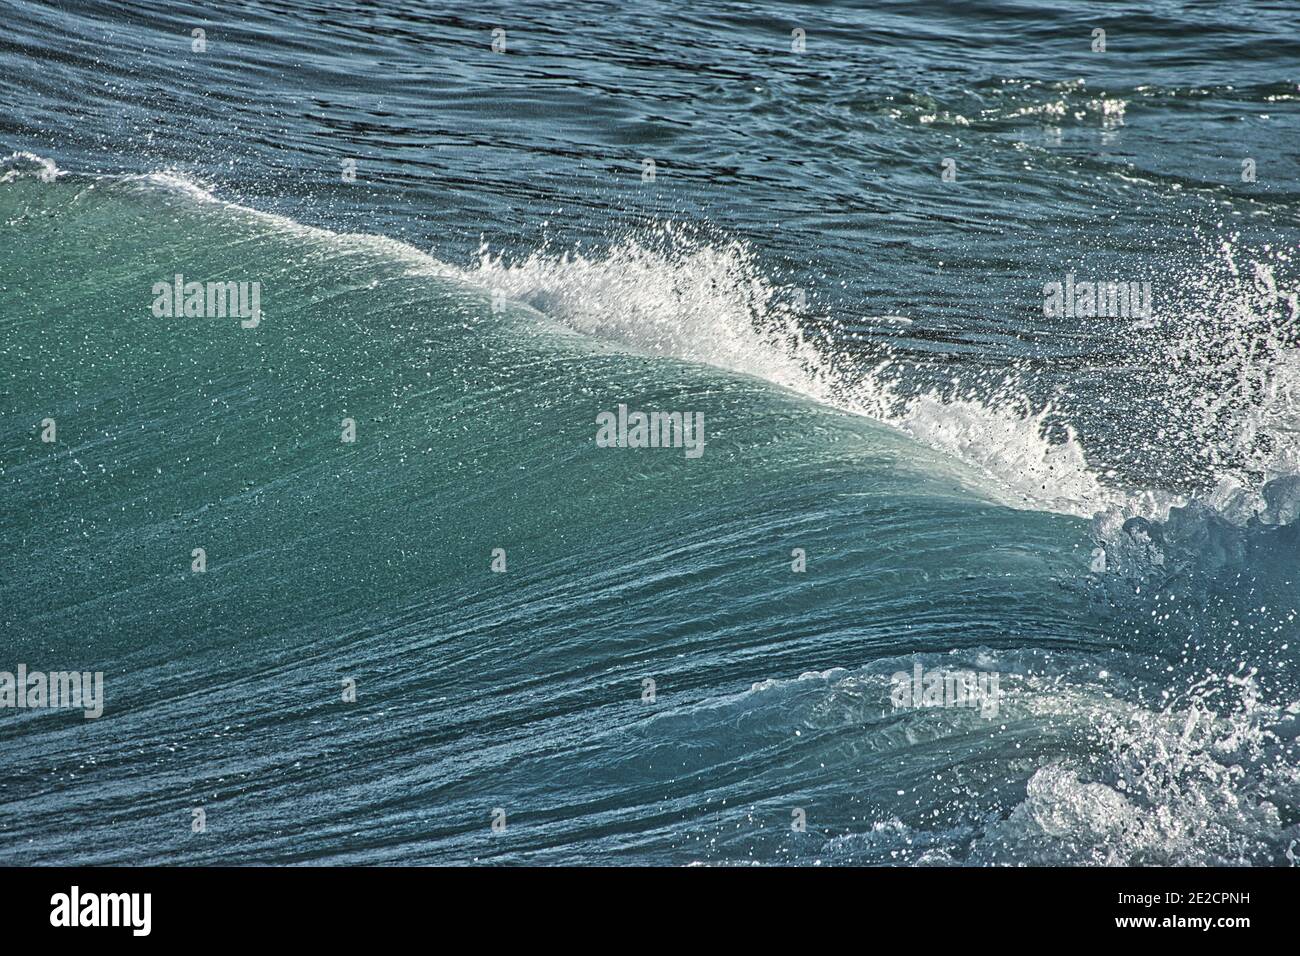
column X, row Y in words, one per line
column 673, row 294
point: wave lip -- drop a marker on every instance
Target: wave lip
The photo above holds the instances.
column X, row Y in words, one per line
column 672, row 294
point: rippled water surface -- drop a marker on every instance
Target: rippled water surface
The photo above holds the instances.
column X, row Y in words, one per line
column 840, row 262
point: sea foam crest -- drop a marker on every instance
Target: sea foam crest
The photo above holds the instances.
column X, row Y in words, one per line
column 674, row 294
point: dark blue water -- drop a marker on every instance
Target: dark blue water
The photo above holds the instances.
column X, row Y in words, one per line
column 840, row 262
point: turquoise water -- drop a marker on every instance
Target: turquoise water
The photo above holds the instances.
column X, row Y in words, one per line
column 1103, row 512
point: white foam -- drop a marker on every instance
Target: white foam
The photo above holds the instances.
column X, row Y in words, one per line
column 22, row 163
column 672, row 294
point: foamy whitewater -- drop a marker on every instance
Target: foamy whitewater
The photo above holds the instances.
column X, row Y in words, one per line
column 365, row 588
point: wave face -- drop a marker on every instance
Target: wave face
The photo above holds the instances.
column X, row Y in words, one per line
column 909, row 468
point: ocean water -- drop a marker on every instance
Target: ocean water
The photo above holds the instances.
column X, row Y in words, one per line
column 840, row 261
